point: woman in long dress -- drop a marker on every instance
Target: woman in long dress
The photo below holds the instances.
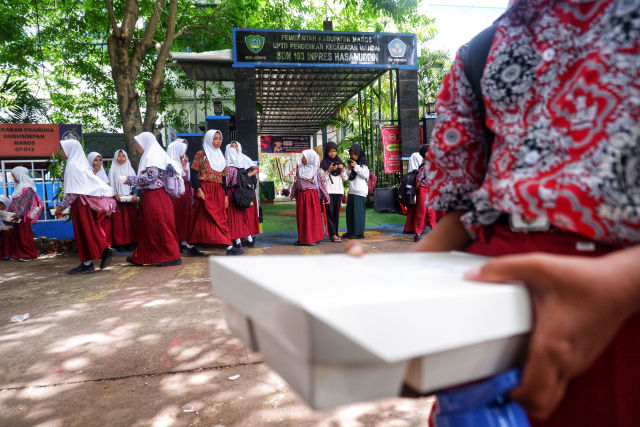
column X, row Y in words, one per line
column 124, row 222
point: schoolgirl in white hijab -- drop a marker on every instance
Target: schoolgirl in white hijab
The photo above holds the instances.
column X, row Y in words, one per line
column 154, row 155
column 415, row 161
column 6, row 202
column 25, row 181
column 78, row 175
column 214, row 155
column 233, row 157
column 117, row 170
column 309, row 170
column 176, row 150
column 101, row 173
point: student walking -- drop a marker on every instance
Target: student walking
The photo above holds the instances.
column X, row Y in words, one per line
column 306, row 188
column 334, row 174
column 86, row 195
column 358, row 174
column 418, row 216
column 95, row 162
column 124, row 222
column 183, row 206
column 254, row 220
column 157, row 239
column 238, row 217
column 209, row 179
column 17, row 244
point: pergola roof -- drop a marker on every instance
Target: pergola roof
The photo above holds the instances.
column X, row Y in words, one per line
column 295, row 101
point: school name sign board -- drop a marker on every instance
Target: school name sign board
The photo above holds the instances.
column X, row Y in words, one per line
column 35, row 140
column 323, row 48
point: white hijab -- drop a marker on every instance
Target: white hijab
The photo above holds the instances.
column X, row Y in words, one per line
column 176, row 150
column 246, row 160
column 308, row 171
column 6, row 201
column 101, row 173
column 26, row 181
column 118, row 170
column 414, row 162
column 233, row 157
column 154, row 155
column 214, row 155
column 78, row 175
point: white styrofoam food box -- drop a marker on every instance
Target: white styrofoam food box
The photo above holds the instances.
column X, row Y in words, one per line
column 8, row 216
column 341, row 329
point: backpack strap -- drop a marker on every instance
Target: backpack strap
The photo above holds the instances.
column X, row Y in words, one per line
column 474, row 60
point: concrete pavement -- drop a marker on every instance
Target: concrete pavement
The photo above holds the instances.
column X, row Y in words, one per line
column 136, row 346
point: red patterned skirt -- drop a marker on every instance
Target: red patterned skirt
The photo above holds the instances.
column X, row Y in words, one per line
column 238, row 219
column 209, row 221
column 309, row 217
column 157, row 239
column 608, row 393
column 182, row 213
column 18, row 242
column 91, row 239
column 124, row 224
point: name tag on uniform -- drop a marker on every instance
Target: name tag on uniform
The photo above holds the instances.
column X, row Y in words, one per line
column 523, row 223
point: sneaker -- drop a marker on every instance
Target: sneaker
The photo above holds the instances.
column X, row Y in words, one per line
column 346, row 236
column 25, row 259
column 297, row 243
column 248, row 243
column 416, row 238
column 169, row 263
column 235, row 251
column 107, row 257
column 6, row 258
column 192, row 252
column 184, row 249
column 358, row 236
column 130, row 261
column 83, row 269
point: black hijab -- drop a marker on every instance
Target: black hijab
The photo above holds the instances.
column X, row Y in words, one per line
column 327, row 162
column 362, row 160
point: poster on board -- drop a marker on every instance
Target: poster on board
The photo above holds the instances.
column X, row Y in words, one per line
column 35, row 140
column 279, row 144
column 392, row 147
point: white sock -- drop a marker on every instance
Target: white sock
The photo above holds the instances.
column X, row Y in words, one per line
column 190, row 246
column 238, row 241
column 250, row 239
column 184, row 243
column 229, row 247
column 88, row 262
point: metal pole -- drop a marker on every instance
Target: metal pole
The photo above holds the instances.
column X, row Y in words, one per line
column 195, row 100
column 205, row 99
column 391, row 94
column 373, row 156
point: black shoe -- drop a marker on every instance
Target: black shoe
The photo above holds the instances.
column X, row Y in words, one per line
column 107, row 257
column 83, row 269
column 416, row 238
column 358, row 236
column 183, row 249
column 248, row 243
column 192, row 251
column 130, row 261
column 131, row 247
column 6, row 258
column 235, row 251
column 345, row 236
column 120, row 248
column 297, row 243
column 169, row 263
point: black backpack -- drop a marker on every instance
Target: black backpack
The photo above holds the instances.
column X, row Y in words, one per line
column 245, row 193
column 407, row 189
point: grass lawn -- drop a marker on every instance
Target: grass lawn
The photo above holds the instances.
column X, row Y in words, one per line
column 282, row 217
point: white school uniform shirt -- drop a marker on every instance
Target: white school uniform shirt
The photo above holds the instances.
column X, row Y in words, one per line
column 359, row 187
column 336, row 187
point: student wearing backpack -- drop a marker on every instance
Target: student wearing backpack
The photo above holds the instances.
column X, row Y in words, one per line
column 124, row 222
column 334, row 175
column 209, row 179
column 17, row 244
column 306, row 188
column 158, row 240
column 238, row 217
column 418, row 216
column 252, row 171
column 358, row 174
column 183, row 206
column 86, row 195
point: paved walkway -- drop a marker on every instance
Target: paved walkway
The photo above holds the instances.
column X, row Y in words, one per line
column 136, row 346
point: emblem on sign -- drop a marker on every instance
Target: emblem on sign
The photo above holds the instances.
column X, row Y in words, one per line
column 397, row 48
column 254, row 43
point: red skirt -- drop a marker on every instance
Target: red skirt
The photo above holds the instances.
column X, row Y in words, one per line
column 182, row 213
column 91, row 240
column 18, row 242
column 238, row 219
column 607, row 395
column 209, row 221
column 254, row 220
column 124, row 224
column 157, row 239
column 418, row 216
column 309, row 217
column 105, row 222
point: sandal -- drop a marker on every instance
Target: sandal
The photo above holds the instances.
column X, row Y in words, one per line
column 335, row 239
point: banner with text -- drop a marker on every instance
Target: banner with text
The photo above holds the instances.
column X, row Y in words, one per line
column 392, row 147
column 323, row 48
column 34, row 140
column 284, row 144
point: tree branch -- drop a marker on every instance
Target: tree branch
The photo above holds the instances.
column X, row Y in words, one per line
column 112, row 18
column 141, row 48
column 130, row 17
